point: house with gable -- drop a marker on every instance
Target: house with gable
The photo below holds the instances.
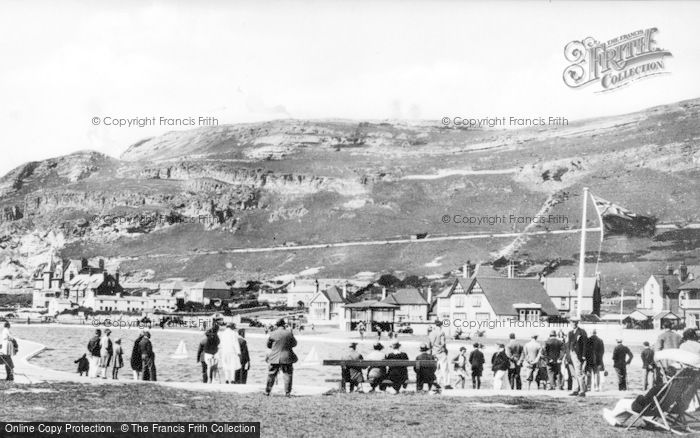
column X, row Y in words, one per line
column 328, row 305
column 412, row 304
column 564, row 294
column 490, row 297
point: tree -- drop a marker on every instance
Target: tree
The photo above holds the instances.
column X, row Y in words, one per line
column 388, row 280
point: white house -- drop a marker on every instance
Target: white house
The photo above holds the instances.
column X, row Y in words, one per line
column 661, row 291
column 328, row 305
column 493, row 298
column 412, row 305
column 301, row 290
column 206, row 291
column 564, row 294
column 144, row 302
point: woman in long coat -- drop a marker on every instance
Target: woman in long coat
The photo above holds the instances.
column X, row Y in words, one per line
column 229, row 353
column 397, row 374
column 136, row 363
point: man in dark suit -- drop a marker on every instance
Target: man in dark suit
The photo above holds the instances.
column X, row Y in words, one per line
column 578, row 343
column 281, row 357
column 648, row 365
column 241, row 375
column 622, row 356
column 147, row 357
column 554, row 354
column 594, row 360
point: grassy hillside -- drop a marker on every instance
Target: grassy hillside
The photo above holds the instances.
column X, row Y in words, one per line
column 289, row 182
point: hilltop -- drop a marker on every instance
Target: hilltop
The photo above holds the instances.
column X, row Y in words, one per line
column 293, row 182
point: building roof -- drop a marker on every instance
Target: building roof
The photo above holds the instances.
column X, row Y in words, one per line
column 694, row 284
column 464, row 282
column 406, row 296
column 371, row 304
column 211, row 284
column 485, row 271
column 132, row 298
column 666, row 314
column 303, row 286
column 503, row 292
column 564, row 287
column 670, row 280
column 86, row 281
column 333, row 295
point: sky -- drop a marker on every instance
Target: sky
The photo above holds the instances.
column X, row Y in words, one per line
column 64, row 63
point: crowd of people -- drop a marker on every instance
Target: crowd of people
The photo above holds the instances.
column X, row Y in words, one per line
column 570, row 361
column 224, row 352
column 103, row 353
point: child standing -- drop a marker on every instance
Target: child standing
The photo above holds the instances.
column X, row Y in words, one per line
column 476, row 360
column 118, row 358
column 460, row 363
column 83, row 364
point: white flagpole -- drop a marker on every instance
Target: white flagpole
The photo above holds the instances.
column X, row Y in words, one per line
column 582, row 254
column 622, row 302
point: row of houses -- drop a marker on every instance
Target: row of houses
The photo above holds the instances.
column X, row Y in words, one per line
column 669, row 296
column 484, row 295
column 66, row 284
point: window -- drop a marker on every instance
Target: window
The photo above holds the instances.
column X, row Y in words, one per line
column 483, row 316
column 563, row 303
column 459, row 300
column 476, row 301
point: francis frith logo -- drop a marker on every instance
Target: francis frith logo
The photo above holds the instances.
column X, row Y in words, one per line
column 616, row 62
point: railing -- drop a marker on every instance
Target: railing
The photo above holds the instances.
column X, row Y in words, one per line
column 690, row 304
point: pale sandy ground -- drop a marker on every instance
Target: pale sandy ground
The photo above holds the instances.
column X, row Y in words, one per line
column 30, row 373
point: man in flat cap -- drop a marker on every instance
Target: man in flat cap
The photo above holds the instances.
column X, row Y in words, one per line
column 578, row 342
column 425, row 375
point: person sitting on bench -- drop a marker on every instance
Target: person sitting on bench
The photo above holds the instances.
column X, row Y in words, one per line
column 425, row 375
column 397, row 374
column 353, row 376
column 375, row 375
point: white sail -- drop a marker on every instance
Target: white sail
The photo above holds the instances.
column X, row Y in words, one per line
column 181, row 351
column 312, row 359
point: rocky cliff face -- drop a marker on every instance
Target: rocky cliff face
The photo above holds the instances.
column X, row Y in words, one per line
column 269, row 184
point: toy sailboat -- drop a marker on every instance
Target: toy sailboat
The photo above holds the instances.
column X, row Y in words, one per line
column 312, row 359
column 180, row 352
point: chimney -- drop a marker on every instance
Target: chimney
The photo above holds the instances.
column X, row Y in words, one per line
column 116, row 277
column 430, row 295
column 345, row 291
column 466, row 270
column 683, row 271
column 669, row 270
column 383, row 293
column 102, row 264
column 511, row 270
column 83, row 263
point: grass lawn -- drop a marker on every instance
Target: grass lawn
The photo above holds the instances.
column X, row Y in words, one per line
column 358, row 415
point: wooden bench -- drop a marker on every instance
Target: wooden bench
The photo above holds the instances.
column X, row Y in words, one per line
column 377, row 363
